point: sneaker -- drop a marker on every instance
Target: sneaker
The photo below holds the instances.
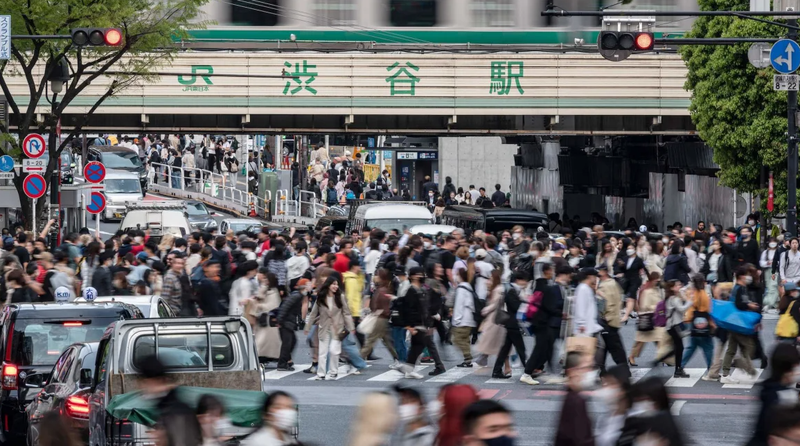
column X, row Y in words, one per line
column 727, row 379
column 437, row 371
column 371, row 358
column 331, row 377
column 395, row 365
column 319, row 378
column 501, row 376
column 356, row 372
column 285, row 368
column 312, row 369
column 680, row 374
column 413, row 375
column 465, row 364
column 709, row 378
column 426, row 360
column 528, row 379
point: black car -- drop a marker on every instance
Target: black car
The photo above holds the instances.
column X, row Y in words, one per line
column 67, row 391
column 32, row 339
column 199, row 216
column 120, row 158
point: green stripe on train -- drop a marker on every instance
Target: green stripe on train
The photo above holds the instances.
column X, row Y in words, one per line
column 401, row 36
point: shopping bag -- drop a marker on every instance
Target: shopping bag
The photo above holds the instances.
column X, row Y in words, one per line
column 728, row 317
column 367, row 325
column 581, row 344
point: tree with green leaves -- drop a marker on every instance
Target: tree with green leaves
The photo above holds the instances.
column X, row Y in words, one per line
column 734, row 107
column 148, row 28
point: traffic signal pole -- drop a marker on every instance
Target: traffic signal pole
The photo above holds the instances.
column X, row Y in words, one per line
column 791, row 171
column 792, row 161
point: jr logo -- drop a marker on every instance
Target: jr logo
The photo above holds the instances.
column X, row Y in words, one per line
column 202, row 70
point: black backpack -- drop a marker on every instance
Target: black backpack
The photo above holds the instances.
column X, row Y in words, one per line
column 433, row 258
column 396, row 310
column 701, row 324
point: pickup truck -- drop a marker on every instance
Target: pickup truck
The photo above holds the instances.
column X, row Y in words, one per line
column 212, row 352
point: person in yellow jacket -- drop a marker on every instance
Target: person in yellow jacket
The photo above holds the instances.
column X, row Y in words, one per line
column 788, row 328
column 354, row 290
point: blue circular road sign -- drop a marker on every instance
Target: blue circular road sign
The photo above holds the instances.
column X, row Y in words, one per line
column 97, row 203
column 785, row 56
column 34, row 186
column 6, row 163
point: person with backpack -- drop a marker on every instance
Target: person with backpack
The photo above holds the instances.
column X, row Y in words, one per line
column 701, row 326
column 789, row 266
column 331, row 195
column 464, row 319
column 412, row 309
column 676, row 306
column 646, row 329
column 231, row 167
column 512, row 300
column 547, row 321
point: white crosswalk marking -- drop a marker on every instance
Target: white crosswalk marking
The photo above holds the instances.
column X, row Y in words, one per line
column 341, row 372
column 694, row 376
column 396, row 375
column 745, row 381
column 452, row 375
column 638, row 373
column 515, row 374
column 277, row 374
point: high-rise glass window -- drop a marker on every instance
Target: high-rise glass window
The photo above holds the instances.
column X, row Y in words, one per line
column 412, row 12
column 334, row 12
column 255, row 13
column 490, row 13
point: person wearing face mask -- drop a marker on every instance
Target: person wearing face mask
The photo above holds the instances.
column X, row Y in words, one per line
column 789, row 267
column 488, row 423
column 417, row 431
column 676, row 306
column 770, row 282
column 177, row 424
column 747, row 249
column 211, row 416
column 614, row 396
column 677, row 266
column 739, row 341
column 649, row 421
column 575, row 426
column 777, row 390
column 584, row 306
column 279, row 416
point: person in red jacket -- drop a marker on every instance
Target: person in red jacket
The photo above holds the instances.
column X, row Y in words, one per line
column 342, row 263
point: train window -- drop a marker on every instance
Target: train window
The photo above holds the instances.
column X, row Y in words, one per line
column 261, row 13
column 412, row 12
column 490, row 13
column 334, row 12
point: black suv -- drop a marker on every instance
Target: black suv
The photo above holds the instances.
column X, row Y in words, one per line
column 32, row 338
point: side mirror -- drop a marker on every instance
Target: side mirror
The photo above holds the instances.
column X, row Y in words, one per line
column 86, row 378
column 35, row 381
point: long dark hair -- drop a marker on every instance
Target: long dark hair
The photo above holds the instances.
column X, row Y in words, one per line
column 325, row 288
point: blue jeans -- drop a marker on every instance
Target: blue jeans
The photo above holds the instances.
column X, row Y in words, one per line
column 705, row 343
column 350, row 348
column 399, row 336
column 176, row 183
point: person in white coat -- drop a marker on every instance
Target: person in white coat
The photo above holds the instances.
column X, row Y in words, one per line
column 242, row 289
column 189, row 165
column 584, row 306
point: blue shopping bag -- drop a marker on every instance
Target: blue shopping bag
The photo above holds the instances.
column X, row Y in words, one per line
column 728, row 317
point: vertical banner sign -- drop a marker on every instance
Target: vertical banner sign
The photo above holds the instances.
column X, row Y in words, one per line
column 771, row 197
column 5, row 37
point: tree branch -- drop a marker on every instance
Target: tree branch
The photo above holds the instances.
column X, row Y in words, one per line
column 6, row 92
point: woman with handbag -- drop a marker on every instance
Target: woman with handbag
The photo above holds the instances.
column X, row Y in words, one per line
column 268, row 299
column 676, row 305
column 335, row 323
column 646, row 331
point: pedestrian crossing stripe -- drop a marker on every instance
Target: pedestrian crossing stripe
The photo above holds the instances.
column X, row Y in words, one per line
column 395, row 375
column 278, row 374
column 638, row 373
column 453, row 375
column 694, row 376
column 341, row 372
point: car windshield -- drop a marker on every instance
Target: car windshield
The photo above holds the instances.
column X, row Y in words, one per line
column 241, row 226
column 196, row 209
column 42, row 341
column 123, row 186
column 387, row 224
column 121, row 160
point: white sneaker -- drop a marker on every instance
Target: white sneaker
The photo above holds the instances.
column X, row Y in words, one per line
column 319, row 378
column 394, row 365
column 528, row 379
column 355, row 371
column 728, row 379
column 708, row 378
column 413, row 375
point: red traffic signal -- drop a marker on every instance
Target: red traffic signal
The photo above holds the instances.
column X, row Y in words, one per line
column 627, row 41
column 96, row 36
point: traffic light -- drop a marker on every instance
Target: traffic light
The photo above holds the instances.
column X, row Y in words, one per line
column 96, row 36
column 626, row 40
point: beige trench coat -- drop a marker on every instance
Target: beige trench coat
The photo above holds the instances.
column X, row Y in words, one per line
column 268, row 340
column 492, row 335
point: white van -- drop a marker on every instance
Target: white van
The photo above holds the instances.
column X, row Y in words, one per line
column 390, row 215
column 160, row 217
column 121, row 188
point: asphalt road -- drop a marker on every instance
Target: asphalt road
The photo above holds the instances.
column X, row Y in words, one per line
column 709, row 413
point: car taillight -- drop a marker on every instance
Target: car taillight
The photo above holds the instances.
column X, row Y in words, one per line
column 77, row 407
column 73, row 324
column 10, row 372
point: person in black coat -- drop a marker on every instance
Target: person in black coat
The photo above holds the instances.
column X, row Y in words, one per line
column 210, row 291
column 547, row 322
column 513, row 335
column 630, row 268
column 776, row 390
column 101, row 278
column 677, row 267
column 289, row 313
column 747, row 249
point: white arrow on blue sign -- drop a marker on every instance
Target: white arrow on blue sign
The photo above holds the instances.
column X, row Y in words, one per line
column 785, row 56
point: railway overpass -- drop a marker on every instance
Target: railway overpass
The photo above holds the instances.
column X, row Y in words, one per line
column 404, row 93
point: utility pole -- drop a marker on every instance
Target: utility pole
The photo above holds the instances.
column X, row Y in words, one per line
column 791, row 171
